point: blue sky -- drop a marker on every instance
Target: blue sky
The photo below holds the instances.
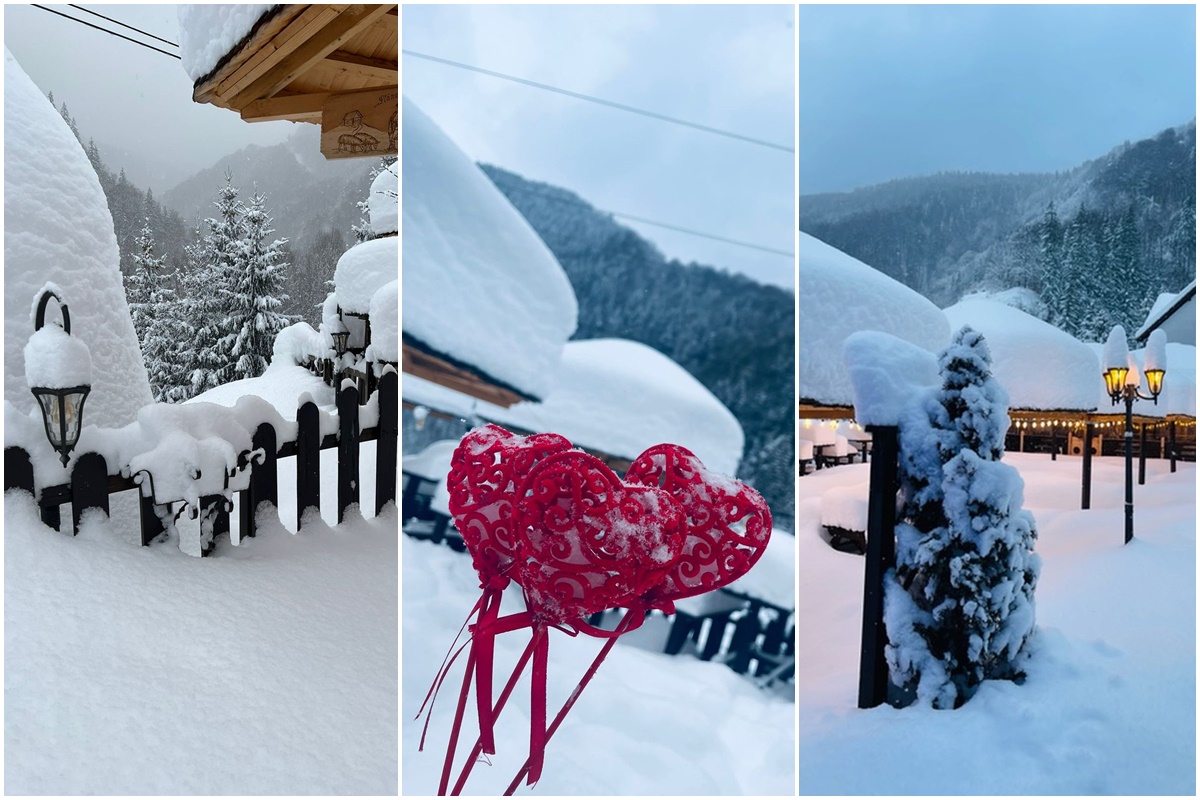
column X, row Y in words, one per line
column 892, row 91
column 730, row 67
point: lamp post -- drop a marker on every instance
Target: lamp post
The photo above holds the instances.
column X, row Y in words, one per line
column 1123, row 384
column 58, row 371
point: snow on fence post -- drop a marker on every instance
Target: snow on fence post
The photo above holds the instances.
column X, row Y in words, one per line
column 1089, row 430
column 881, row 556
column 18, row 469
column 89, row 486
column 151, row 525
column 1142, row 454
column 387, row 444
column 308, row 460
column 347, row 407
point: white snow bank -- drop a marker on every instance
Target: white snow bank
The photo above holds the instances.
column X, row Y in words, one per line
column 362, row 271
column 207, row 32
column 773, row 577
column 385, row 325
column 432, row 463
column 57, row 228
column 886, row 373
column 384, row 200
column 840, row 295
column 1042, row 368
column 846, row 507
column 479, row 285
column 615, row 396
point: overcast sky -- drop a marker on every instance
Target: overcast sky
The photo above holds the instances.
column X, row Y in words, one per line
column 893, row 91
column 123, row 95
column 730, row 67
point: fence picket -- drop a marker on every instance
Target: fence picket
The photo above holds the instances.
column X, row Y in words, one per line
column 89, row 486
column 308, row 461
column 347, row 405
column 389, row 437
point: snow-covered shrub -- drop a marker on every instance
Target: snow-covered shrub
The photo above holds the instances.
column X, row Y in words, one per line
column 960, row 605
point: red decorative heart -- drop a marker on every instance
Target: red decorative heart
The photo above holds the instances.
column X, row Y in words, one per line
column 589, row 542
column 486, row 470
column 727, row 524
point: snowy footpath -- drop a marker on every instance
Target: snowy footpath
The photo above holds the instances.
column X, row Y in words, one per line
column 648, row 723
column 1109, row 706
column 269, row 668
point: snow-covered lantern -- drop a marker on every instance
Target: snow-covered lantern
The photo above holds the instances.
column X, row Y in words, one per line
column 1120, row 380
column 341, row 337
column 1156, row 362
column 1116, row 364
column 58, row 370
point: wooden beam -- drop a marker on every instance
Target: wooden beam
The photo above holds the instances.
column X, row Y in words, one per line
column 428, row 366
column 329, row 38
column 361, row 124
column 294, row 108
column 378, row 69
column 209, row 90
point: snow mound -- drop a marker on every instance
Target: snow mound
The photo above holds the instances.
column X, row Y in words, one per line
column 480, row 286
column 208, row 32
column 1042, row 368
column 363, row 270
column 57, row 228
column 57, row 360
column 384, row 200
column 615, row 396
column 840, row 295
column 432, row 463
column 385, row 326
column 886, row 372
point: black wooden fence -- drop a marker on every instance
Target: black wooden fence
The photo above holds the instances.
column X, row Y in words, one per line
column 91, row 483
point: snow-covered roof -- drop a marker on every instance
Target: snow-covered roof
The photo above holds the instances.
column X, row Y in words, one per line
column 840, row 295
column 479, row 285
column 1042, row 368
column 362, row 271
column 57, row 228
column 614, row 396
column 1175, row 314
column 383, row 201
column 207, row 32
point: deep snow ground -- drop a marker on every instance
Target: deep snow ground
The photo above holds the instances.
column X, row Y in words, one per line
column 268, row 668
column 1110, row 702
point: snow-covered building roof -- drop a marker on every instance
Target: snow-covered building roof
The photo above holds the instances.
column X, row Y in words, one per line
column 1042, row 367
column 1175, row 314
column 840, row 295
column 614, row 396
column 481, row 289
column 208, row 32
column 57, row 228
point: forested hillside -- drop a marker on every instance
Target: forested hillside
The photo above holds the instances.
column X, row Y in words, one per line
column 1097, row 243
column 733, row 334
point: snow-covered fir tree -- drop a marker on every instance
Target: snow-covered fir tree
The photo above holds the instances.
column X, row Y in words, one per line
column 142, row 282
column 210, row 289
column 256, row 293
column 960, row 605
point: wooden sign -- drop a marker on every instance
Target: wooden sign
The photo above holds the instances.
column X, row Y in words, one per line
column 360, row 124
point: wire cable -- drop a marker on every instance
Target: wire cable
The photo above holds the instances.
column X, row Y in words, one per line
column 106, row 30
column 122, row 24
column 601, row 101
column 579, row 202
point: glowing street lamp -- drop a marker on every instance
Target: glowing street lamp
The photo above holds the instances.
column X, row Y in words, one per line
column 1124, row 384
column 58, row 371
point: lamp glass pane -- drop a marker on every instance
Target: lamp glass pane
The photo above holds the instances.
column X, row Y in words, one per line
column 1154, row 379
column 51, row 417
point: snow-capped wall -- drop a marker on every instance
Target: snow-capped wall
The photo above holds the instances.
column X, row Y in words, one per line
column 207, row 32
column 1042, row 367
column 384, row 200
column 615, row 396
column 479, row 285
column 840, row 295
column 362, row 271
column 57, row 228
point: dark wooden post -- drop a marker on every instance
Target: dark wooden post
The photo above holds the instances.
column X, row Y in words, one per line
column 308, row 460
column 347, row 406
column 1142, row 455
column 18, row 469
column 1171, row 443
column 745, row 634
column 387, row 444
column 152, row 526
column 89, row 486
column 264, row 478
column 1088, row 430
column 881, row 556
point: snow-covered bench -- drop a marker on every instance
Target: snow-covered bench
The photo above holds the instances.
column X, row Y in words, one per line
column 805, row 455
column 844, row 517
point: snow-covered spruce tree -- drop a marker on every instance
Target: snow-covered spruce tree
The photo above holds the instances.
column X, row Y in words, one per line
column 961, row 606
column 210, row 289
column 141, row 283
column 256, row 294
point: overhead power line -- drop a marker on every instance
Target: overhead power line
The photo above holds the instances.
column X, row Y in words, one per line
column 106, row 30
column 122, row 24
column 690, row 231
column 593, row 99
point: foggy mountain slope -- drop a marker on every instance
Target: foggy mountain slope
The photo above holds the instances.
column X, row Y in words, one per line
column 949, row 234
column 733, row 334
column 307, row 195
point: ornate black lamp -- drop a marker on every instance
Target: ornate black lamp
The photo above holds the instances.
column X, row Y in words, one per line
column 341, row 337
column 60, row 388
column 1117, row 381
